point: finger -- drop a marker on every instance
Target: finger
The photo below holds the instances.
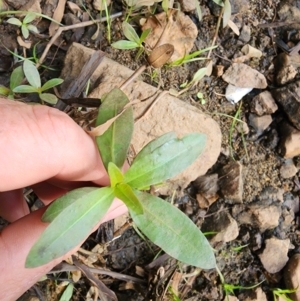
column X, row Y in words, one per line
column 38, row 143
column 16, row 241
column 12, row 205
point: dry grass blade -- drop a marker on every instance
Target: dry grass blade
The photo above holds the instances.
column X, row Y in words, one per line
column 57, row 16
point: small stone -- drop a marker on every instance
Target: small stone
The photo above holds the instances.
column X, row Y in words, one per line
column 231, row 182
column 235, row 94
column 188, row 5
column 245, row 34
column 263, row 103
column 218, row 70
column 274, row 256
column 243, row 76
column 289, row 12
column 257, row 295
column 292, row 276
column 284, row 70
column 290, row 141
column 260, row 123
column 288, row 169
column 289, row 99
column 223, row 224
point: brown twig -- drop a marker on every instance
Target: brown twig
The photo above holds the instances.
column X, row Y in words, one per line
column 74, row 26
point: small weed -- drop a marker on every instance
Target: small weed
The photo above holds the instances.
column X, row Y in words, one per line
column 24, row 24
column 33, row 77
column 278, row 292
column 239, row 248
column 16, row 79
column 134, row 40
column 201, row 98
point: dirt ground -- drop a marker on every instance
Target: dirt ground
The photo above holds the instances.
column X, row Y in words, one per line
column 129, row 254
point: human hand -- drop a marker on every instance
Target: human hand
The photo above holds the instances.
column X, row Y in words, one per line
column 43, row 148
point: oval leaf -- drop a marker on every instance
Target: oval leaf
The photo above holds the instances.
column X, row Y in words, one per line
column 70, row 228
column 113, row 144
column 52, row 83
column 25, row 89
column 199, row 74
column 48, row 97
column 25, row 31
column 130, row 33
column 125, row 193
column 4, row 91
column 115, row 174
column 124, row 45
column 29, row 17
column 32, row 74
column 227, row 13
column 16, row 77
column 165, row 161
column 14, row 21
column 173, row 231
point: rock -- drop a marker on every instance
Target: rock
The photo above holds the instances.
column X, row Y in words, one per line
column 207, row 190
column 263, row 103
column 187, row 5
column 243, row 76
column 259, row 123
column 218, row 70
column 263, row 217
column 256, row 295
column 289, row 13
column 288, row 169
column 224, row 224
column 289, row 99
column 284, row 70
column 274, row 256
column 231, row 182
column 292, row 276
column 168, row 114
column 235, row 94
column 245, row 34
column 289, row 146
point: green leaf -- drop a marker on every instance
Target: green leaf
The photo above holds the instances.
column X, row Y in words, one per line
column 48, row 97
column 32, row 28
column 25, row 89
column 14, row 21
column 165, row 161
column 199, row 74
column 227, row 13
column 4, row 91
column 70, row 228
column 125, row 193
column 114, row 143
column 32, row 74
column 219, row 2
column 173, row 231
column 115, row 174
column 68, row 293
column 52, row 83
column 152, row 145
column 122, row 44
column 16, row 77
column 29, row 17
column 63, row 202
column 25, row 31
column 144, row 35
column 130, row 33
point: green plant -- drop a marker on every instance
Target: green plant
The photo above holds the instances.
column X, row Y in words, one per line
column 226, row 12
column 134, row 40
column 16, row 79
column 201, row 98
column 73, row 215
column 24, row 24
column 33, row 78
column 281, row 293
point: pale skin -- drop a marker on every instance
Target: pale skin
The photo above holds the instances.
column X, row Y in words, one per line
column 42, row 148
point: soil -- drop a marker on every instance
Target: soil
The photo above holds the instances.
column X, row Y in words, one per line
column 132, row 255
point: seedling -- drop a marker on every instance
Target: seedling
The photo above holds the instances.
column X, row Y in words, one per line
column 24, row 24
column 201, row 98
column 281, row 293
column 134, row 40
column 33, row 78
column 73, row 215
column 16, row 79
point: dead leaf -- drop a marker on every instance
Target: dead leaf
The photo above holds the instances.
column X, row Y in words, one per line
column 233, row 27
column 23, row 43
column 76, row 275
column 139, row 3
column 57, row 16
column 209, row 68
column 99, row 4
column 160, row 55
column 74, row 8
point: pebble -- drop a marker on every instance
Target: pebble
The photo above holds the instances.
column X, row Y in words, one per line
column 245, row 34
column 187, row 5
column 274, row 256
column 256, row 295
column 260, row 123
column 292, row 276
column 263, row 103
column 290, row 141
column 243, row 76
column 284, row 70
column 288, row 169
